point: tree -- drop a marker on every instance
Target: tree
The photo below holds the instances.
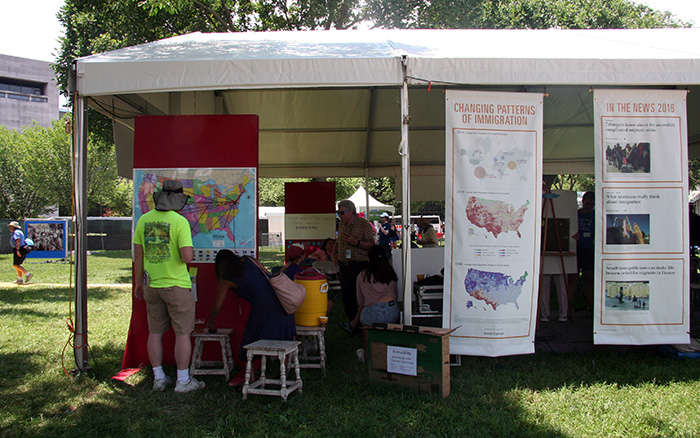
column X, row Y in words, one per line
column 36, row 172
column 19, row 198
column 516, row 14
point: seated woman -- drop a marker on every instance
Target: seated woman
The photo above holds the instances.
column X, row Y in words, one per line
column 293, row 266
column 267, row 318
column 376, row 293
column 324, row 253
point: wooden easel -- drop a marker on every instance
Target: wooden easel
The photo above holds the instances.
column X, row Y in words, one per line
column 549, row 201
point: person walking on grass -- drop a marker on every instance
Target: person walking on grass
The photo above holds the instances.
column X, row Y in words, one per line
column 19, row 252
column 162, row 250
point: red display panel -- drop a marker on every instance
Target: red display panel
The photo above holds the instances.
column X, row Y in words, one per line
column 216, row 141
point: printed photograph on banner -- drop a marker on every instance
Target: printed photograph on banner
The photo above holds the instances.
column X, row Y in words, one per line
column 637, row 149
column 492, row 300
column 642, row 292
column 494, row 158
column 636, row 220
column 626, row 296
column 628, row 158
column 628, row 229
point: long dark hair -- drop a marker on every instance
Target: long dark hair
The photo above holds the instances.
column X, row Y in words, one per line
column 323, row 245
column 379, row 269
column 226, row 262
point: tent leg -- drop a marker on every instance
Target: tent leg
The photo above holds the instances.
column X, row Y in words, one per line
column 406, row 204
column 80, row 341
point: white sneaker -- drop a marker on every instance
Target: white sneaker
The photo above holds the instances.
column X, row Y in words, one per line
column 161, row 384
column 191, row 385
column 544, row 319
column 563, row 319
column 29, row 277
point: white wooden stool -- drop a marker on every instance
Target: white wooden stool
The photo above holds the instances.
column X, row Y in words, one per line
column 318, row 335
column 281, row 350
column 203, row 367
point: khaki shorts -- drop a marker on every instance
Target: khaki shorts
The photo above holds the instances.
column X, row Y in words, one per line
column 168, row 306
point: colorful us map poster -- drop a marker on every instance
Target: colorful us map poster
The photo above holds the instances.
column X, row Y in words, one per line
column 493, row 214
column 641, row 266
column 222, row 209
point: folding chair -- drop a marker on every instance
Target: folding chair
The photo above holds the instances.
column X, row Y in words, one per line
column 332, row 273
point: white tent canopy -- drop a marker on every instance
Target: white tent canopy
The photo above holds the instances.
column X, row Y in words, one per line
column 361, row 198
column 329, row 101
column 336, row 103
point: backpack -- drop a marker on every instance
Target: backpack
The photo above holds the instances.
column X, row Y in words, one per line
column 28, row 245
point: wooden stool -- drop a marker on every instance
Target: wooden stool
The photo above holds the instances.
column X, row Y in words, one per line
column 199, row 366
column 281, row 350
column 319, row 337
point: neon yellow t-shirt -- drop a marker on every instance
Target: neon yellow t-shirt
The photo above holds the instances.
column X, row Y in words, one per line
column 162, row 234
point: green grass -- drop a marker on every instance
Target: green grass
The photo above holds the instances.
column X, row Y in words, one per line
column 630, row 393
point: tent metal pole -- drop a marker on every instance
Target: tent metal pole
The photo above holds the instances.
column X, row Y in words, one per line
column 367, row 194
column 80, row 340
column 406, row 196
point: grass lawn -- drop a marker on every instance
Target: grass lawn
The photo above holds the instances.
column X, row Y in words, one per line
column 635, row 393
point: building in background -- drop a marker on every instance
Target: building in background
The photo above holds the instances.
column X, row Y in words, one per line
column 28, row 92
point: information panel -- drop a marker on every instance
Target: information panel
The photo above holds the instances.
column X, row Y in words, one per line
column 641, row 269
column 493, row 219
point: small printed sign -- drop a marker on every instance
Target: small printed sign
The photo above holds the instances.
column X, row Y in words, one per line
column 402, row 360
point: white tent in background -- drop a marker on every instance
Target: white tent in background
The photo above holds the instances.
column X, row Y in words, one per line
column 360, row 199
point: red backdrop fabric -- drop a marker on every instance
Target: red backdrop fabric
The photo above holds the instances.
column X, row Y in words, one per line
column 192, row 142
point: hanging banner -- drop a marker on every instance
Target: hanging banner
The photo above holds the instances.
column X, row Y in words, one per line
column 493, row 168
column 641, row 267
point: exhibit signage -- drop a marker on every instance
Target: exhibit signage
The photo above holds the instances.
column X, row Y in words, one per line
column 493, row 168
column 641, row 265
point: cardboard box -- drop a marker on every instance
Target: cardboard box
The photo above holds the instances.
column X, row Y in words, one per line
column 411, row 357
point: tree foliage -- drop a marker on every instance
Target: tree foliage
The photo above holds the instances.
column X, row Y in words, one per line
column 19, row 197
column 516, row 14
column 36, row 172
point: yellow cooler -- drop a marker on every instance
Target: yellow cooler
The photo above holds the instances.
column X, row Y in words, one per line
column 316, row 302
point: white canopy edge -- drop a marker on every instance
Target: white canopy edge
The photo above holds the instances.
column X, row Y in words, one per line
column 372, row 58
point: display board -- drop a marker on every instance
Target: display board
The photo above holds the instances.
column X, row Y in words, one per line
column 641, row 267
column 493, row 219
column 225, row 161
column 50, row 238
column 222, row 209
column 309, row 214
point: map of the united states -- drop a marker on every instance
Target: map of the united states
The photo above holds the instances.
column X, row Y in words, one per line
column 214, row 206
column 494, row 288
column 495, row 217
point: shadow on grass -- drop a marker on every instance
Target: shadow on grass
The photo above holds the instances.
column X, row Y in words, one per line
column 486, row 396
column 18, row 295
column 121, row 254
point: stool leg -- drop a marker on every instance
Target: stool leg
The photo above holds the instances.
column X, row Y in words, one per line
column 224, row 358
column 196, row 356
column 263, row 368
column 322, row 349
column 248, row 367
column 297, row 371
column 229, row 355
column 283, row 374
